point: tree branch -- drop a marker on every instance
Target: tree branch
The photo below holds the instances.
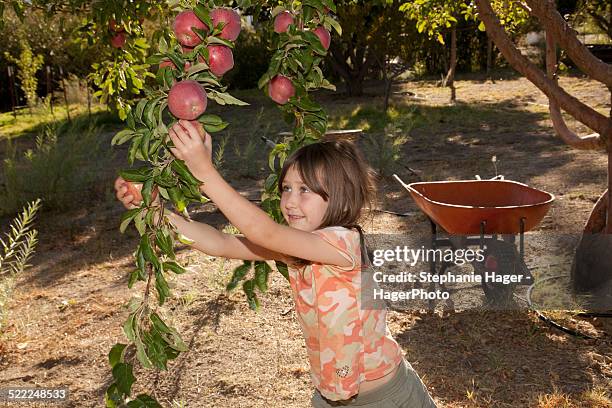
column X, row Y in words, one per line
column 590, row 142
column 565, row 37
column 573, row 106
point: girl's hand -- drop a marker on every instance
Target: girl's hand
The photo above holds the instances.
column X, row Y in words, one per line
column 125, row 194
column 193, row 145
column 129, row 193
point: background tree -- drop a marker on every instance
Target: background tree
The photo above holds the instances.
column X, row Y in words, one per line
column 591, row 268
column 434, row 17
column 366, row 27
column 438, row 17
column 27, row 66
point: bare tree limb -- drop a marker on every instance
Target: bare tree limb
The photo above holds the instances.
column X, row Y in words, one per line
column 582, row 112
column 578, row 52
column 590, row 142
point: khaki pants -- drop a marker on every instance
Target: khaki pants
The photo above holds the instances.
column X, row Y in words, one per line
column 404, row 390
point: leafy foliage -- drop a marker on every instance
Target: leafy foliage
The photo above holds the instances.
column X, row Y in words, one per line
column 28, row 65
column 59, row 169
column 16, row 251
column 20, row 241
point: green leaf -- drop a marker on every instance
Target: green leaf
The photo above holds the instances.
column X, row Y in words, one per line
column 212, row 123
column 223, row 98
column 156, row 349
column 122, row 137
column 141, row 354
column 128, row 327
column 249, row 289
column 271, row 182
column 147, row 190
column 177, row 198
column 481, row 26
column 203, row 14
column 334, row 24
column 162, row 287
column 139, row 109
column 169, row 334
column 139, row 223
column 124, row 377
column 138, row 175
column 148, row 115
column 144, row 401
column 164, row 242
column 181, row 169
column 112, row 397
column 147, row 251
column 239, row 273
column 174, row 267
column 282, row 268
column 127, row 217
column 134, row 275
column 262, row 271
column 116, row 354
column 221, row 41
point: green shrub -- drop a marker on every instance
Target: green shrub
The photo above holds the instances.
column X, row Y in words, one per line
column 385, row 149
column 61, row 170
column 15, row 253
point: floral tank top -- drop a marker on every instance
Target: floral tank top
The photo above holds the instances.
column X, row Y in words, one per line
column 346, row 345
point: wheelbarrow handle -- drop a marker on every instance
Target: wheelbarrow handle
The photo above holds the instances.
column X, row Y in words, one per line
column 400, row 181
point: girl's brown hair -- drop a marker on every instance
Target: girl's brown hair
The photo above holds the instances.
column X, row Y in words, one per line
column 337, row 171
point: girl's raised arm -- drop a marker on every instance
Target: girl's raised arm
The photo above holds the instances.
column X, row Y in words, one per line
column 254, row 223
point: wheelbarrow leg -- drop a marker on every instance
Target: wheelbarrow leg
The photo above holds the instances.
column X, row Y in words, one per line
column 432, row 262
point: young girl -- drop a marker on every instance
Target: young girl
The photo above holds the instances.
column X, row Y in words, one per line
column 354, row 361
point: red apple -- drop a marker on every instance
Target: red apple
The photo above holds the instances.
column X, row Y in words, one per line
column 118, row 40
column 134, row 189
column 183, row 26
column 281, row 89
column 166, row 63
column 113, row 26
column 220, row 59
column 282, row 22
column 230, row 18
column 324, row 36
column 187, row 100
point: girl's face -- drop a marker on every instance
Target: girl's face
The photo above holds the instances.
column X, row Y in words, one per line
column 302, row 208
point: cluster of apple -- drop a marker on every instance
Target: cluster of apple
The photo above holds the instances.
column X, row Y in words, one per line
column 187, row 99
column 281, row 89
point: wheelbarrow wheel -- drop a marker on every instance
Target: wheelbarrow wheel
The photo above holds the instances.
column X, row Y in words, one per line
column 502, row 259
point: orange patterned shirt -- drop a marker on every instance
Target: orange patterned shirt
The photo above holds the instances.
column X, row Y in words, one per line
column 346, row 345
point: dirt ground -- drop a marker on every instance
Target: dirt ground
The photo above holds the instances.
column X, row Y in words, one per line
column 68, row 308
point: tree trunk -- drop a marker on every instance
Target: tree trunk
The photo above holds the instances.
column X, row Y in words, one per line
column 567, row 102
column 592, row 267
column 489, row 58
column 450, row 76
column 354, row 86
column 388, row 84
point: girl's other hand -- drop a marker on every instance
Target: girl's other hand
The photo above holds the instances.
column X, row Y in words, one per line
column 193, row 145
column 123, row 193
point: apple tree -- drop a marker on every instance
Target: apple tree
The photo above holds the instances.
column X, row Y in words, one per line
column 592, row 264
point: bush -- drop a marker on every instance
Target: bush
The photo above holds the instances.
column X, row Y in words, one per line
column 61, row 170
